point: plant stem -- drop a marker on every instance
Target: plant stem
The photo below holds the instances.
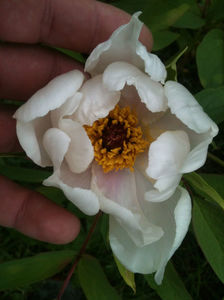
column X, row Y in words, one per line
column 216, row 159
column 78, row 257
column 205, row 8
column 187, row 186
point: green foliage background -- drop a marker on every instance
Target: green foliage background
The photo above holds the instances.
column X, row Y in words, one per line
column 189, row 38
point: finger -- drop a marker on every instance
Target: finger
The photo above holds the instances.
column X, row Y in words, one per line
column 8, row 141
column 25, row 69
column 35, row 216
column 73, row 24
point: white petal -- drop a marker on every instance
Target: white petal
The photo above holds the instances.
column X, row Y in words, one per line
column 130, row 97
column 30, row 137
column 80, row 153
column 163, row 188
column 50, row 97
column 167, row 154
column 186, row 108
column 173, row 216
column 79, row 193
column 117, row 74
column 76, row 187
column 197, row 156
column 182, row 215
column 97, row 101
column 192, row 119
column 117, row 196
column 67, row 109
column 123, row 45
column 153, row 65
column 56, row 143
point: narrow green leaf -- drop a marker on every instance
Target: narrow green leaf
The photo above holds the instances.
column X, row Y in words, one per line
column 20, row 272
column 203, row 188
column 128, row 276
column 24, row 174
column 208, row 223
column 216, row 181
column 93, row 280
column 77, row 56
column 210, row 59
column 172, row 65
column 172, row 287
column 163, row 39
column 212, row 101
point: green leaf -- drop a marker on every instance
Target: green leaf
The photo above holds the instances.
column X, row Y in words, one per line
column 210, row 59
column 168, row 18
column 156, row 14
column 172, row 287
column 93, row 280
column 24, row 174
column 172, row 65
column 216, row 11
column 212, row 101
column 163, row 39
column 189, row 20
column 203, row 188
column 20, row 272
column 216, row 181
column 208, row 223
column 127, row 275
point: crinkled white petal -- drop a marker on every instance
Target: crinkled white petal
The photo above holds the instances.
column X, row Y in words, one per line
column 123, row 45
column 117, row 74
column 182, row 103
column 30, row 136
column 117, row 196
column 80, row 152
column 173, row 216
column 76, row 187
column 153, row 65
column 50, row 97
column 189, row 116
column 97, row 101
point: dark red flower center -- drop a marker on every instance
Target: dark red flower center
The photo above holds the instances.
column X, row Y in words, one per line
column 114, row 135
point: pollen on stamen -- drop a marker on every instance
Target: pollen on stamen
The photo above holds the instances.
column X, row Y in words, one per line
column 117, row 139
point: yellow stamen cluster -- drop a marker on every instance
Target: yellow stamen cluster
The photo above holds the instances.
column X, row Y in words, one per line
column 124, row 155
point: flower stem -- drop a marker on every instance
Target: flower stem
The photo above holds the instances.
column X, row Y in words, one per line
column 188, row 188
column 78, row 257
column 216, row 159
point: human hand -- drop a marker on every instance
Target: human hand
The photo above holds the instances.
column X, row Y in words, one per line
column 25, row 68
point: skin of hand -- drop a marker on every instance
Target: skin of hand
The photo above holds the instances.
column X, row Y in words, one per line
column 26, row 67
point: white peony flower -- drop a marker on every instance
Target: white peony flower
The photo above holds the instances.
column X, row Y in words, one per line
column 103, row 159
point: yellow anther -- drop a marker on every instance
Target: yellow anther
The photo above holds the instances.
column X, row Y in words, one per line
column 116, row 139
